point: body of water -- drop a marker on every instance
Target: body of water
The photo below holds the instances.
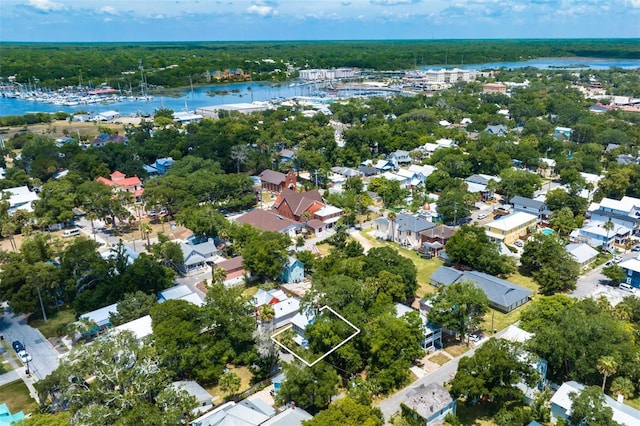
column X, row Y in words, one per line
column 551, row 63
column 180, row 100
column 190, row 99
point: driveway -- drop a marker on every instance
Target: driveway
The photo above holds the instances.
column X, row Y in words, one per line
column 45, row 357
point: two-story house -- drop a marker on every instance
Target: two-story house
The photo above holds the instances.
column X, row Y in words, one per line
column 404, row 229
column 509, row 228
column 624, row 212
column 275, row 182
column 435, row 239
column 432, row 338
column 527, row 205
column 123, row 183
column 631, row 268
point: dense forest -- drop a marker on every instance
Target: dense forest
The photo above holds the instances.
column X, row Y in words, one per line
column 56, row 65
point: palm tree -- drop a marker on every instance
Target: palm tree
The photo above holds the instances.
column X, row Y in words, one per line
column 145, row 231
column 392, row 217
column 92, row 216
column 266, row 313
column 622, row 386
column 218, row 276
column 608, row 226
column 240, row 153
column 607, row 366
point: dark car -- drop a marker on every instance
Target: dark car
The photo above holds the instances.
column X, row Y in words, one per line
column 17, row 346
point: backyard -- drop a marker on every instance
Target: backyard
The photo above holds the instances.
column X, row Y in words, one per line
column 16, row 396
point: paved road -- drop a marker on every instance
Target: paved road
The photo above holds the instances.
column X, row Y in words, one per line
column 445, row 373
column 594, row 284
column 45, row 357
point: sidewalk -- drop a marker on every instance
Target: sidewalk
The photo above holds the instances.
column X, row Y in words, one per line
column 19, row 372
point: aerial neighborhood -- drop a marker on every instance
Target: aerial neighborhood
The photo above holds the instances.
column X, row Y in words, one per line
column 435, row 247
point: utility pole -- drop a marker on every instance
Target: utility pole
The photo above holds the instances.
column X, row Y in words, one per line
column 44, row 314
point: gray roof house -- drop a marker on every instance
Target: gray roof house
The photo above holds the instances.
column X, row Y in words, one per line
column 582, row 253
column 400, row 157
column 497, row 129
column 527, row 205
column 502, row 294
column 428, row 404
column 404, row 229
column 195, row 256
column 204, row 398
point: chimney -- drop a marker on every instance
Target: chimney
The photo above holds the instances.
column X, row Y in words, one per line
column 293, row 405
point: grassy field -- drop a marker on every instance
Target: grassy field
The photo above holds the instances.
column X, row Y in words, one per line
column 478, row 415
column 50, row 327
column 245, row 383
column 440, row 359
column 16, row 396
column 425, row 267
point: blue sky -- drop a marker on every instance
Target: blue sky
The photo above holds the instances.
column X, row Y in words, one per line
column 197, row 20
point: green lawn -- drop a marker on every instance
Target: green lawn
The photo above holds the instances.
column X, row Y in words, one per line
column 16, row 396
column 440, row 359
column 425, row 267
column 475, row 415
column 50, row 327
column 498, row 320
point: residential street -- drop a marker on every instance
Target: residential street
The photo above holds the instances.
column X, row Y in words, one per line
column 441, row 375
column 594, row 284
column 45, row 357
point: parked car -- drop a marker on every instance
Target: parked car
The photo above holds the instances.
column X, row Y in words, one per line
column 519, row 243
column 25, row 357
column 625, row 287
column 636, row 248
column 474, row 338
column 609, row 263
column 18, row 346
column 617, row 259
column 482, row 216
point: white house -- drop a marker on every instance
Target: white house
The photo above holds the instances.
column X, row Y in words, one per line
column 20, row 198
column 582, row 253
column 561, row 405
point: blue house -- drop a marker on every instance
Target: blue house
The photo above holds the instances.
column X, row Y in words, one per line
column 427, row 405
column 293, row 271
column 631, row 268
column 6, row 418
column 159, row 167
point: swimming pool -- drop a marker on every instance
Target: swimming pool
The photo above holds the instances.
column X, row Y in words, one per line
column 547, row 231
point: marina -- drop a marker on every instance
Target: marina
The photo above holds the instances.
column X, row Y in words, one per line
column 19, row 99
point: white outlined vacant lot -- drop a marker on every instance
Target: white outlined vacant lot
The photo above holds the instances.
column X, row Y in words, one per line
column 329, row 352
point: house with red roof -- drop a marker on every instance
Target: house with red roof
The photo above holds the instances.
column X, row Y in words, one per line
column 293, row 205
column 121, row 182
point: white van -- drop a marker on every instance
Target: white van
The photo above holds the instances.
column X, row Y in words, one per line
column 625, row 287
column 71, row 232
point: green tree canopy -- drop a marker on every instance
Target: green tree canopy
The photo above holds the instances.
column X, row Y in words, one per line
column 552, row 267
column 493, row 372
column 459, row 307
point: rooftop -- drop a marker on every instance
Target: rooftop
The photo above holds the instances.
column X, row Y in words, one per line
column 512, row 221
column 427, row 400
column 268, row 221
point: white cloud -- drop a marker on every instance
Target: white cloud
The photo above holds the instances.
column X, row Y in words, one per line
column 45, row 5
column 262, row 10
column 108, row 10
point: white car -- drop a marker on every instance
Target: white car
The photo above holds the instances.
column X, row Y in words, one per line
column 24, row 357
column 482, row 216
column 617, row 259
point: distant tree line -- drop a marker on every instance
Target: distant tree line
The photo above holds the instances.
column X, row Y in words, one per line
column 56, row 65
